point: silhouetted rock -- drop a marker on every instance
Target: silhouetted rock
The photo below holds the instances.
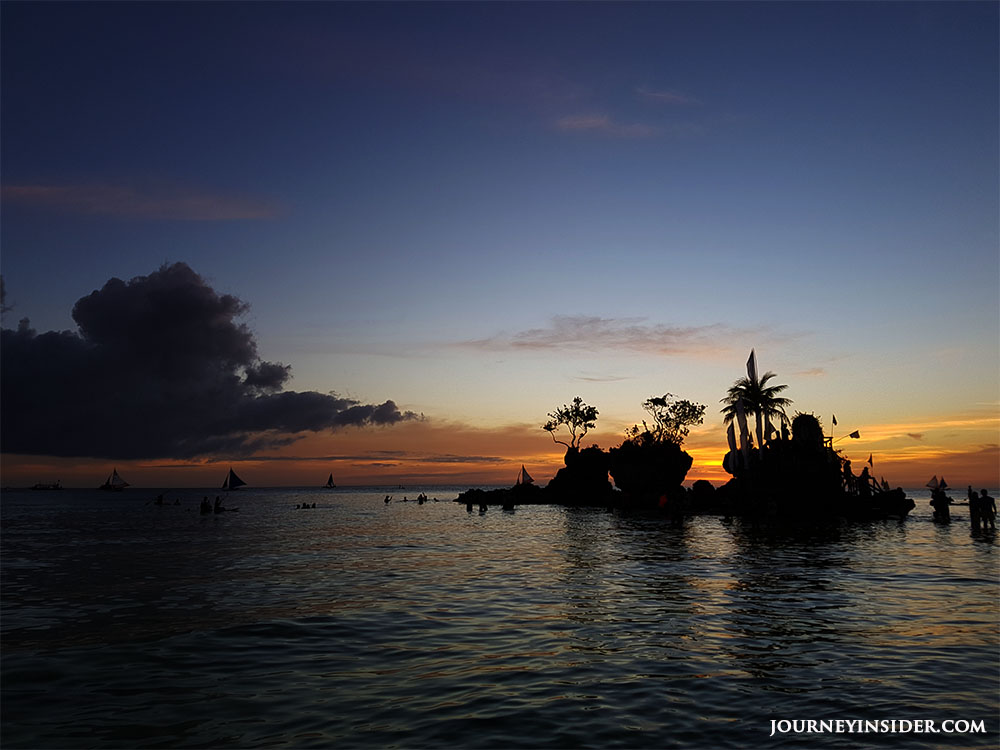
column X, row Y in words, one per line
column 584, row 479
column 804, row 477
column 519, row 494
column 703, row 498
column 650, row 472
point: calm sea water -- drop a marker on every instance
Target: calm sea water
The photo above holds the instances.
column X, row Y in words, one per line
column 357, row 624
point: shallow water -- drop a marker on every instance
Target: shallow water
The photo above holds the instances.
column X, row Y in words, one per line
column 358, row 624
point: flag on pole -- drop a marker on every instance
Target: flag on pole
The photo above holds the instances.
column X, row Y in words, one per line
column 741, row 417
column 834, row 420
column 752, row 367
column 856, row 435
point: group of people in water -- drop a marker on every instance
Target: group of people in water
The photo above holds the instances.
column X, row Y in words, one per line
column 207, row 507
column 982, row 508
column 421, row 499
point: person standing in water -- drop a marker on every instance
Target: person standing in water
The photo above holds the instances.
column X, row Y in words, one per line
column 940, row 503
column 974, row 514
column 988, row 510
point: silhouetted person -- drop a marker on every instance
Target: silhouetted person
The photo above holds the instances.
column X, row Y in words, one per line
column 864, row 483
column 848, row 477
column 988, row 510
column 940, row 503
column 975, row 513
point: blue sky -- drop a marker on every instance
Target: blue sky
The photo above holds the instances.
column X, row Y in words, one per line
column 481, row 210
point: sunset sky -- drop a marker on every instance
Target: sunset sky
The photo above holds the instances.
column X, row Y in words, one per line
column 457, row 217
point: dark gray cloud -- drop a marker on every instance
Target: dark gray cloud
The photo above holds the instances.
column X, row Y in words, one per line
column 159, row 368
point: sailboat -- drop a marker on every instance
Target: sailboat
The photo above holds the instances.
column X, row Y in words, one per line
column 329, row 482
column 523, row 477
column 232, row 481
column 113, row 483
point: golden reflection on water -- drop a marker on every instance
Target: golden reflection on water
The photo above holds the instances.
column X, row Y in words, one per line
column 425, row 621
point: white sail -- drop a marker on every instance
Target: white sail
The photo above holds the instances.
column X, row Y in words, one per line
column 114, row 482
column 523, row 477
column 232, row 481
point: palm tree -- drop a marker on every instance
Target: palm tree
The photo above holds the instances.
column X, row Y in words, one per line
column 757, row 397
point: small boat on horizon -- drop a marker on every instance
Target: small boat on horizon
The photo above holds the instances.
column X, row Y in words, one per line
column 934, row 484
column 232, row 481
column 114, row 483
column 329, row 482
column 523, row 477
column 43, row 486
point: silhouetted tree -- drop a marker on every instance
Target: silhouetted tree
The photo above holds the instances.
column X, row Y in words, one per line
column 807, row 431
column 577, row 417
column 758, row 398
column 672, row 419
column 4, row 307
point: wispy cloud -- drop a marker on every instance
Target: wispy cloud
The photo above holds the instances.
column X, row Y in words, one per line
column 666, row 97
column 598, row 378
column 603, row 124
column 126, row 201
column 915, row 435
column 588, row 333
column 812, row 372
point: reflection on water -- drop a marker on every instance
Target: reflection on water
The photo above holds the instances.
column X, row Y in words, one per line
column 363, row 625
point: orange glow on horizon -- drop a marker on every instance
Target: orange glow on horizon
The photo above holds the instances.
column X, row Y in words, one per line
column 441, row 452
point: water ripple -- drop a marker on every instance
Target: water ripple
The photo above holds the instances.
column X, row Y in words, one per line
column 363, row 625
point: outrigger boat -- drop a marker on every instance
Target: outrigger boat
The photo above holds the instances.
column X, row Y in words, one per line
column 523, row 477
column 232, row 481
column 113, row 483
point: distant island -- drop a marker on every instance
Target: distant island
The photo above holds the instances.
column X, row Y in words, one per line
column 793, row 472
